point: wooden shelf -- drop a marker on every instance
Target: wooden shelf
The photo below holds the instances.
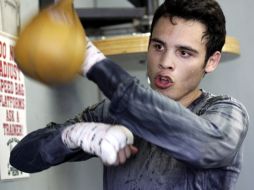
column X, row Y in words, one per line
column 138, row 43
column 232, row 46
column 123, row 44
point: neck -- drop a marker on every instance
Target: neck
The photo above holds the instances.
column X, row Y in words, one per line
column 190, row 98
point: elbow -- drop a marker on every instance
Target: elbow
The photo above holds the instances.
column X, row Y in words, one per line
column 214, row 158
column 17, row 162
column 21, row 161
column 219, row 153
column 208, row 163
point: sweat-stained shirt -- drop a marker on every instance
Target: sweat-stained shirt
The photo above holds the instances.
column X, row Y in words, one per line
column 194, row 148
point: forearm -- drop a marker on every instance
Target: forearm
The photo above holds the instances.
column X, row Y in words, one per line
column 42, row 149
column 164, row 122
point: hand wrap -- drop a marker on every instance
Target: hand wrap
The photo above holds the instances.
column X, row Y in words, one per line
column 101, row 139
column 93, row 55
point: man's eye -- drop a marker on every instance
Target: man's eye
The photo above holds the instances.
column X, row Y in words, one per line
column 185, row 54
column 158, row 47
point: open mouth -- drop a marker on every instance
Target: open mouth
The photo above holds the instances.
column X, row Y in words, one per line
column 163, row 82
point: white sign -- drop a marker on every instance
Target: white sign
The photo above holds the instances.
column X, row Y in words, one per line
column 12, row 107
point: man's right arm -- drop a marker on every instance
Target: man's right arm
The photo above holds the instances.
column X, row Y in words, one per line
column 44, row 147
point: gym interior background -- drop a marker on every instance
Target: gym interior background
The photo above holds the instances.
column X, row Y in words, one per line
column 45, row 104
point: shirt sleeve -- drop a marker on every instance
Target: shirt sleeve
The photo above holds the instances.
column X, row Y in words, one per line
column 211, row 139
column 44, row 148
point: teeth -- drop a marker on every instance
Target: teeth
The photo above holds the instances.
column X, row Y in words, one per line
column 164, row 78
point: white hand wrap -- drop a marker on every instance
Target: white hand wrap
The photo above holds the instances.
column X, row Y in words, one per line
column 101, row 139
column 93, row 55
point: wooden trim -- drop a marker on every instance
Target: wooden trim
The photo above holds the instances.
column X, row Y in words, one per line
column 123, row 44
column 232, row 45
column 138, row 43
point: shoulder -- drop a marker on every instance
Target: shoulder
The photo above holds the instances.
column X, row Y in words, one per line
column 225, row 112
column 213, row 100
column 223, row 104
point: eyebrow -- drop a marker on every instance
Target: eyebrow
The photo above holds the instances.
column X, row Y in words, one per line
column 157, row 41
column 188, row 48
column 182, row 47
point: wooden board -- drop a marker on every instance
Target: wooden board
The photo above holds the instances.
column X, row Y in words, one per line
column 138, row 43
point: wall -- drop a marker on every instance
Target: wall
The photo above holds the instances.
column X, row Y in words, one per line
column 233, row 77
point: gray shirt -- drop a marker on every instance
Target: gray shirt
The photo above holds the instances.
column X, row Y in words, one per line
column 194, row 148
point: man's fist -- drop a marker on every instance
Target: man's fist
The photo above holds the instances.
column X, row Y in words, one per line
column 93, row 55
column 112, row 143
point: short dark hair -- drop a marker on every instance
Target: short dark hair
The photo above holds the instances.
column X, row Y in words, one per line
column 208, row 12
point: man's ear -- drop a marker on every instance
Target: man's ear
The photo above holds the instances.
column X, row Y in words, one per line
column 213, row 62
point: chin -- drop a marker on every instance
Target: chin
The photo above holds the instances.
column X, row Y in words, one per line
column 162, row 91
column 167, row 93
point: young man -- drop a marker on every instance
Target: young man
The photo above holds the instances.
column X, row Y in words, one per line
column 185, row 138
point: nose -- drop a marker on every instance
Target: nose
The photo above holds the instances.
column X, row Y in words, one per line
column 167, row 62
